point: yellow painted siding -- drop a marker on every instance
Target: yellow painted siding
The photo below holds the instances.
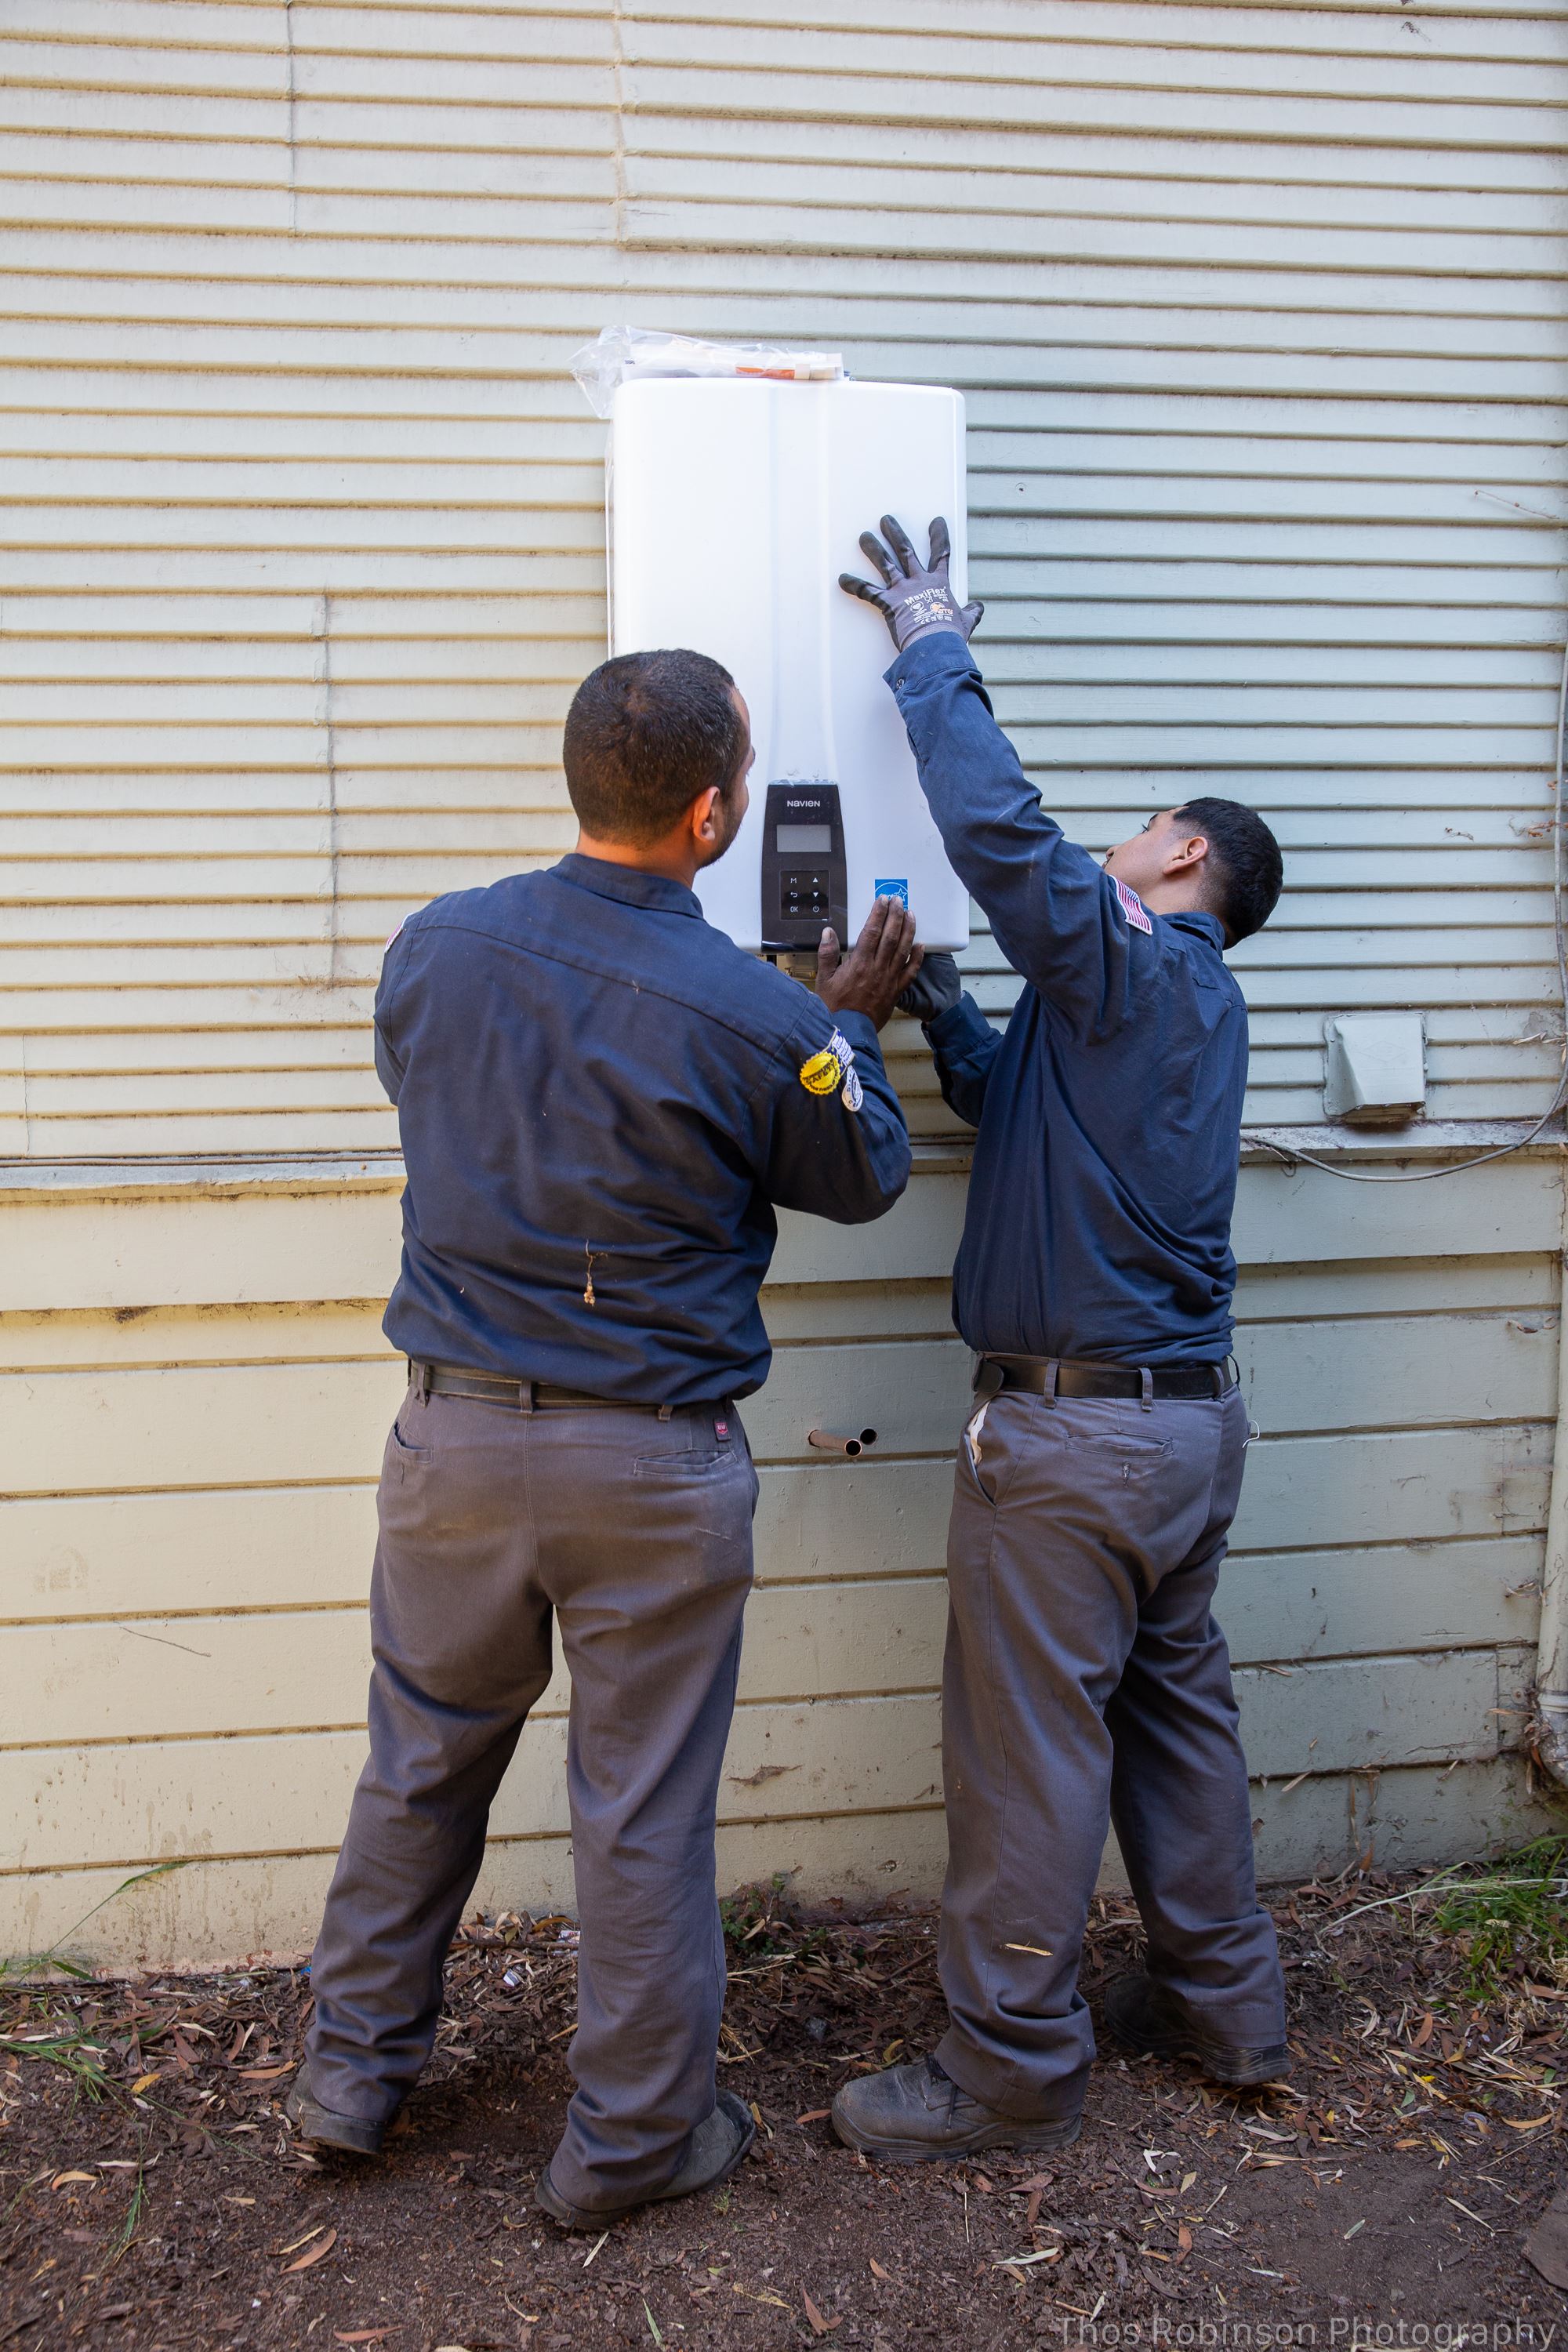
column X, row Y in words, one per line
column 184, row 1556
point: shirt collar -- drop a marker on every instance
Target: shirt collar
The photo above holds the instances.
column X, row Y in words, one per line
column 1202, row 924
column 629, row 883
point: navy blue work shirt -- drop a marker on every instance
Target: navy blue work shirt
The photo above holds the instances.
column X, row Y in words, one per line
column 601, row 1098
column 1110, row 1112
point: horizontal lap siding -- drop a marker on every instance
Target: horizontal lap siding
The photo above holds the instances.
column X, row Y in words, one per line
column 1258, row 310
column 184, row 1554
column 303, row 541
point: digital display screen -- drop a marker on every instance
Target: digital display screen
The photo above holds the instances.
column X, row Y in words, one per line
column 795, row 840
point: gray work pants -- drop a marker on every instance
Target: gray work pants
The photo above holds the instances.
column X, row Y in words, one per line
column 1085, row 1683
column 635, row 1533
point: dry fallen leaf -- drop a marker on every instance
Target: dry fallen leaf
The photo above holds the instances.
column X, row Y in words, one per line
column 294, row 2244
column 1419, row 2040
column 814, row 2116
column 63, row 2179
column 877, row 2269
column 265, row 2073
column 1184, row 2241
column 819, row 2326
column 142, row 2083
column 360, row 2335
column 316, row 2254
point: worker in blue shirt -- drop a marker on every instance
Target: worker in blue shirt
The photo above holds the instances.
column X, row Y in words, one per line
column 1085, row 1682
column 602, row 1101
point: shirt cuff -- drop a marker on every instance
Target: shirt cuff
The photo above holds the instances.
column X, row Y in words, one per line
column 945, row 653
column 859, row 1028
column 961, row 1025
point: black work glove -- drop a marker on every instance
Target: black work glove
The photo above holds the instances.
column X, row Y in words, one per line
column 935, row 989
column 915, row 599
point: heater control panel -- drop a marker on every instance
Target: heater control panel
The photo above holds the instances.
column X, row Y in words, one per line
column 805, row 881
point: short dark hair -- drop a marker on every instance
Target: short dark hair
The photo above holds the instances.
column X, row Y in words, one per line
column 645, row 733
column 1246, row 870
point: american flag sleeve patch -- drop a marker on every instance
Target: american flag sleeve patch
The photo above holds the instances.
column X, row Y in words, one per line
column 1132, row 906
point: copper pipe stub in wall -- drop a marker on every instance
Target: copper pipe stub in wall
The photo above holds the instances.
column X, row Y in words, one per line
column 834, row 1441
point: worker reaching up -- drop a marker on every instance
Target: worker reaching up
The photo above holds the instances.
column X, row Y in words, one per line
column 601, row 1101
column 1086, row 1681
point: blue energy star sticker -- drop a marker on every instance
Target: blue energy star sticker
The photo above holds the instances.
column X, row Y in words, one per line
column 900, row 890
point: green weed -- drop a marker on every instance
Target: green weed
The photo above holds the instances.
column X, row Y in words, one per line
column 1512, row 1919
column 761, row 1924
column 58, row 2044
column 24, row 1966
column 134, row 2216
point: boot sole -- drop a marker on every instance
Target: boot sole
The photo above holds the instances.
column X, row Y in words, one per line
column 1217, row 2064
column 1058, row 2133
column 599, row 2217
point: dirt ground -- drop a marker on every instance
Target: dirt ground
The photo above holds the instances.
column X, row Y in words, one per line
column 150, row 2195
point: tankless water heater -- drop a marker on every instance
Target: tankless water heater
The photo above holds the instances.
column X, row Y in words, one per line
column 733, row 506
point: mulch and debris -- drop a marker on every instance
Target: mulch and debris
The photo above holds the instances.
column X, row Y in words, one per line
column 150, row 2193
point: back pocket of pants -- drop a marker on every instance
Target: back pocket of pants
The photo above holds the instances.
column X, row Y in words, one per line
column 1130, row 1460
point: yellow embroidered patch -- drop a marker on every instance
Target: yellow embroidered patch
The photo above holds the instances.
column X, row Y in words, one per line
column 822, row 1074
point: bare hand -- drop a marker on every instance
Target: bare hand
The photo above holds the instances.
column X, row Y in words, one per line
column 884, row 960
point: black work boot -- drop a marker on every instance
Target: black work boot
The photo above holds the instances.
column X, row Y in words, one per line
column 715, row 2148
column 325, row 2128
column 915, row 2111
column 1152, row 2020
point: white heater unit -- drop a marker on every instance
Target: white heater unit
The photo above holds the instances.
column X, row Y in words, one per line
column 733, row 506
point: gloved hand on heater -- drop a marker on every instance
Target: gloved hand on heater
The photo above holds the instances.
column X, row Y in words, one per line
column 935, row 987
column 915, row 599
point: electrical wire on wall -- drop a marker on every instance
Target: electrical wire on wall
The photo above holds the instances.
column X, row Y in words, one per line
column 1458, row 1167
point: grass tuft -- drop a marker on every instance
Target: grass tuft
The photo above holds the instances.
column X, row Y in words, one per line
column 26, row 1967
column 1511, row 1917
column 57, row 2045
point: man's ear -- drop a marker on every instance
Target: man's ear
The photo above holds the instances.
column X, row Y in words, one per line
column 1187, row 851
column 700, row 818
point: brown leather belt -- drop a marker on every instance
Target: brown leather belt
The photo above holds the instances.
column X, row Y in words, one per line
column 523, row 1396
column 1052, row 1376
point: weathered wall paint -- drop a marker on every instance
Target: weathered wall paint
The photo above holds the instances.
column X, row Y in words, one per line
column 184, row 1557
column 1257, row 311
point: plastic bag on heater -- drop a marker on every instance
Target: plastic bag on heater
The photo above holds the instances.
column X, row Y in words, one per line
column 621, row 353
